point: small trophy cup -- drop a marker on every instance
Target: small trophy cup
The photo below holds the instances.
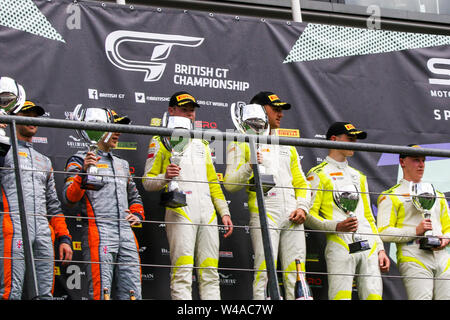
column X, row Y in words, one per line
column 92, row 181
column 347, row 198
column 252, row 119
column 12, row 98
column 423, row 198
column 176, row 145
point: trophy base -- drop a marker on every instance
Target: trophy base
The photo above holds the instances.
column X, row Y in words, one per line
column 4, row 145
column 173, row 199
column 92, row 182
column 429, row 243
column 267, row 182
column 357, row 246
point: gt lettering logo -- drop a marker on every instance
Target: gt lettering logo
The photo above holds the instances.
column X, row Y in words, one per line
column 437, row 66
column 163, row 44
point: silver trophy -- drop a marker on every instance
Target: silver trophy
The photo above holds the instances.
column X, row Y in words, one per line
column 346, row 198
column 423, row 197
column 176, row 145
column 252, row 119
column 92, row 181
column 12, row 98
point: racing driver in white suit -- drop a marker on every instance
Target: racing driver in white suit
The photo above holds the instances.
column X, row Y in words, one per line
column 286, row 203
column 400, row 222
column 192, row 230
column 330, row 175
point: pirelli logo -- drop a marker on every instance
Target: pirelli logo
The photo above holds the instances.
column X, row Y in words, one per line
column 102, row 165
column 23, row 154
column 336, row 174
column 293, row 133
column 185, row 96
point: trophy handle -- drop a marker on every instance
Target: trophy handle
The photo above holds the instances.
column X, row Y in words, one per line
column 77, row 113
column 20, row 99
column 164, row 119
column 235, row 116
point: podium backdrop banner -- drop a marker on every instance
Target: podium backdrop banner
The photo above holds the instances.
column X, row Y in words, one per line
column 395, row 86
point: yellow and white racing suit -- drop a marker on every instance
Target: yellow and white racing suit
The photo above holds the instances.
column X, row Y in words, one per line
column 192, row 230
column 288, row 241
column 325, row 215
column 397, row 222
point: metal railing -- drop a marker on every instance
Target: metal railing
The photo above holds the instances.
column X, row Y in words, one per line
column 273, row 288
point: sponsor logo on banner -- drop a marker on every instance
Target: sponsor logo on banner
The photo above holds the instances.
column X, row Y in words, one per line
column 438, row 66
column 126, row 145
column 155, row 122
column 94, row 94
column 76, row 143
column 140, row 97
column 142, row 249
column 227, row 279
column 160, row 46
column 207, row 77
column 205, row 124
column 226, row 254
column 314, row 282
column 39, row 140
column 148, row 276
column 440, row 81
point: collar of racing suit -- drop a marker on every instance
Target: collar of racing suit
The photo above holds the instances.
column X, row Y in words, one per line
column 25, row 143
column 104, row 153
column 340, row 165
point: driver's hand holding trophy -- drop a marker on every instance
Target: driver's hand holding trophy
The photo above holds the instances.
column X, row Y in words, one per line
column 12, row 98
column 423, row 197
column 346, row 198
column 253, row 119
column 176, row 144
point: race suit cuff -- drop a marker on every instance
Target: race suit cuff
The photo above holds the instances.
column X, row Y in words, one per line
column 301, row 204
column 137, row 214
column 313, row 222
column 74, row 192
column 65, row 239
column 221, row 207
